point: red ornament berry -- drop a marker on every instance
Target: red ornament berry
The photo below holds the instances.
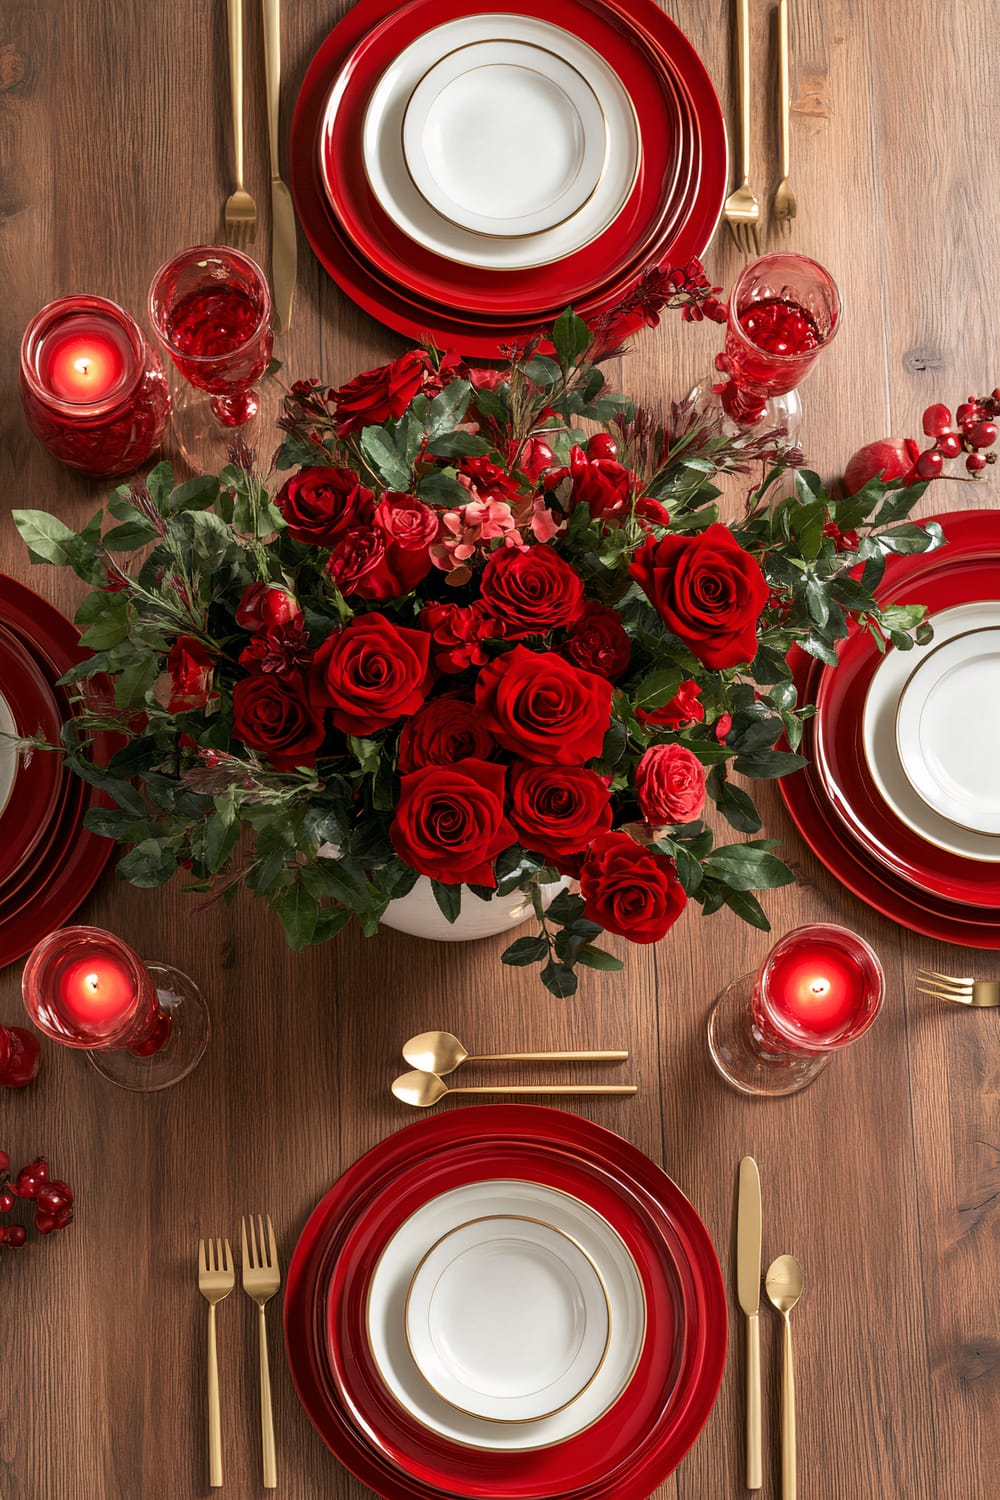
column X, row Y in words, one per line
column 983, row 435
column 929, row 464
column 14, row 1235
column 4, row 1161
column 64, row 1218
column 950, row 444
column 54, row 1196
column 937, row 419
column 7, row 1201
column 975, row 462
column 45, row 1223
column 31, row 1178
column 602, row 445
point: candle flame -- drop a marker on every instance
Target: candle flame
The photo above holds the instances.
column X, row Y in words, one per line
column 93, row 983
column 82, row 366
column 820, row 987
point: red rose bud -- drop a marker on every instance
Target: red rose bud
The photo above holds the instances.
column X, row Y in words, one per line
column 558, row 810
column 274, row 715
column 654, row 511
column 684, row 709
column 366, row 562
column 707, row 590
column 602, row 445
column 893, row 458
column 543, row 708
column 723, row 725
column 603, row 484
column 458, row 632
column 186, row 685
column 597, row 642
column 382, row 394
column 630, row 891
column 670, row 785
column 371, row 673
column 320, row 503
column 445, row 730
column 450, row 824
column 266, row 605
column 531, row 592
column 536, row 458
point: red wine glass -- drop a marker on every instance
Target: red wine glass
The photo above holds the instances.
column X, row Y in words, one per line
column 211, row 310
column 819, row 989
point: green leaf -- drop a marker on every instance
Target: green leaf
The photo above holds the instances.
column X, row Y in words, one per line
column 542, row 370
column 749, row 867
column 148, row 865
column 526, row 950
column 658, row 688
column 199, row 493
column 746, row 906
column 130, row 536
column 447, row 410
column 909, row 539
column 299, row 913
column 448, row 898
column 441, row 488
column 768, row 765
column 596, row 958
column 159, row 482
column 50, row 540
column 738, row 808
column 458, row 445
column 135, row 681
column 381, row 452
column 559, row 980
column 571, row 338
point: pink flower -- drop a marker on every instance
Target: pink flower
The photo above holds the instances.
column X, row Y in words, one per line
column 470, row 529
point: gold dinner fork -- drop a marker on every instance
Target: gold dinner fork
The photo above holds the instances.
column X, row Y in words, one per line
column 742, row 208
column 216, row 1279
column 978, row 993
column 241, row 211
column 785, row 206
column 261, row 1279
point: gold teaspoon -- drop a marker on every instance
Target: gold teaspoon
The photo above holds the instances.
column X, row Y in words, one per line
column 440, row 1052
column 424, row 1089
column 784, row 1288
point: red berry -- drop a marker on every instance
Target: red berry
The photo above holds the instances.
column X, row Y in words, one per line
column 975, row 462
column 45, row 1223
column 983, row 435
column 54, row 1196
column 7, row 1201
column 929, row 464
column 950, row 444
column 4, row 1161
column 14, row 1235
column 31, row 1178
column 602, row 445
column 937, row 419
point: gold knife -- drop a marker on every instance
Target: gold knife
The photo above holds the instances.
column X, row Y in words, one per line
column 748, row 1287
column 283, row 246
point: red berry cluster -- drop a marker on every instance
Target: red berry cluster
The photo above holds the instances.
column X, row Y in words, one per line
column 53, row 1200
column 976, row 431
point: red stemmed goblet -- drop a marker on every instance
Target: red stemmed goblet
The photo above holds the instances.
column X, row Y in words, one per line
column 144, row 1026
column 773, row 1032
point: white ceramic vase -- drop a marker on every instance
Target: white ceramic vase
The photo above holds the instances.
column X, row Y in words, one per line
column 419, row 914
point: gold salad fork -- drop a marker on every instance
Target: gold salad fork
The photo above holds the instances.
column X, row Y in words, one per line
column 261, row 1279
column 742, row 208
column 978, row 993
column 241, row 211
column 216, row 1279
column 785, row 206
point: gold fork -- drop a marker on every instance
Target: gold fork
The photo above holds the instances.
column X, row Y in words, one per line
column 216, row 1279
column 261, row 1279
column 742, row 208
column 979, row 993
column 785, row 206
column 241, row 211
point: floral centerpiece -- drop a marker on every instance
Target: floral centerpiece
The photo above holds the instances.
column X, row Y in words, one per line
column 489, row 631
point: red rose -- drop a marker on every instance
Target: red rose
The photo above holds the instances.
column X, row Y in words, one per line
column 445, row 730
column 629, row 890
column 707, row 590
column 597, row 642
column 458, row 631
column 371, row 673
column 378, row 395
column 683, row 709
column 543, row 708
column 283, row 649
column 366, row 562
column 558, row 810
column 319, row 504
column 654, row 511
column 532, row 592
column 407, row 521
column 534, row 459
column 449, row 822
column 603, row 484
column 723, row 725
column 187, row 682
column 274, row 715
column 265, row 605
column 670, row 785
column 485, row 479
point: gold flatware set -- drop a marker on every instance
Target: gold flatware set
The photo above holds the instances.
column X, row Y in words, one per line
column 261, row 1277
column 742, row 209
column 783, row 1284
column 980, row 994
column 433, row 1055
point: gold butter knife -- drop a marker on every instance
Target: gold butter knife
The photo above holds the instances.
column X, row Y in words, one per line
column 748, row 1226
column 283, row 246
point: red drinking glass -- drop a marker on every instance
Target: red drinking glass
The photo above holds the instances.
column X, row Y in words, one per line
column 145, row 1026
column 819, row 989
column 19, row 1057
column 92, row 386
column 783, row 312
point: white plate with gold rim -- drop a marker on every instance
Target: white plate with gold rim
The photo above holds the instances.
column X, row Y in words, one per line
column 568, row 1216
column 879, row 734
column 392, row 182
column 504, row 138
column 507, row 1318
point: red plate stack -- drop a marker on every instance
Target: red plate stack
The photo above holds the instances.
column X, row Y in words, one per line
column 836, row 800
column 630, row 1446
column 428, row 276
column 48, row 861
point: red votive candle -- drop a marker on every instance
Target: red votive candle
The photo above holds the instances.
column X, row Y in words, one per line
column 87, row 989
column 820, row 987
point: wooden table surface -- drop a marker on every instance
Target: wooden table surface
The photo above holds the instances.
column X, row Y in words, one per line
column 884, row 1178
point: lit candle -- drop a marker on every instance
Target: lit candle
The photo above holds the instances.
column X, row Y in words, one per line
column 85, row 360
column 819, row 988
column 97, row 993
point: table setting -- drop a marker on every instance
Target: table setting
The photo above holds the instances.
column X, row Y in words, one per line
column 497, row 753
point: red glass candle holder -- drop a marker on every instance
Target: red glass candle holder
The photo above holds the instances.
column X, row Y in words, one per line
column 783, row 312
column 819, row 989
column 19, row 1057
column 144, row 1026
column 92, row 386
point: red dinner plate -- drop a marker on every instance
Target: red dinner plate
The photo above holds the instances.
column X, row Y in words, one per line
column 31, row 805
column 663, row 1407
column 453, row 326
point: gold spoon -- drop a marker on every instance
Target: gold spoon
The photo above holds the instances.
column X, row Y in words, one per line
column 424, row 1089
column 784, row 1288
column 440, row 1052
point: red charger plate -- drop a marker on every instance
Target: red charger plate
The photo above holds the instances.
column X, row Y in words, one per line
column 75, row 858
column 35, row 792
column 502, row 292
column 671, row 1245
column 478, row 336
column 971, row 534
